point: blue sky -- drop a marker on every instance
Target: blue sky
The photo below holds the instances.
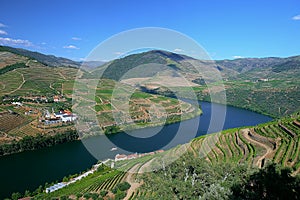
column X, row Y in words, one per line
column 225, row 28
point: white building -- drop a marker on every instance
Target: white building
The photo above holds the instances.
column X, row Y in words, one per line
column 66, row 116
column 55, row 187
column 17, row 103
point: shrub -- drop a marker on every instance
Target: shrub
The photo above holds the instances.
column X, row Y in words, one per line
column 103, row 193
column 123, row 186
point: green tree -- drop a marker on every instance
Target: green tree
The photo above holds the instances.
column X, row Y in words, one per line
column 272, row 182
column 120, row 195
column 63, row 198
column 123, row 186
column 27, row 193
column 103, row 193
column 65, row 179
column 16, row 196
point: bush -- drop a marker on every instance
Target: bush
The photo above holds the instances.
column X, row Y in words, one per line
column 120, row 195
column 103, row 193
column 123, row 186
column 16, row 196
column 63, row 198
column 94, row 196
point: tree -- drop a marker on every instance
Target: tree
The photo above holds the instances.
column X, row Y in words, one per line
column 27, row 193
column 123, row 186
column 65, row 179
column 215, row 192
column 272, row 182
column 63, row 198
column 120, row 195
column 16, row 196
column 103, row 193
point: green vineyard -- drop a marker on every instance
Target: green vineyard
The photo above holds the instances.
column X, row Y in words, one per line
column 274, row 141
column 107, row 184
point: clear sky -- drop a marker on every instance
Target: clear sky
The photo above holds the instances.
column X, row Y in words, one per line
column 225, row 28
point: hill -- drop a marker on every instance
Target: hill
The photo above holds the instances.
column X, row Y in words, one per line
column 38, row 89
column 48, row 60
column 273, row 80
column 251, row 83
column 246, row 64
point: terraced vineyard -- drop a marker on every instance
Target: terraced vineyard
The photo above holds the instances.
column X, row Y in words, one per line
column 111, row 108
column 105, row 179
column 274, row 141
column 9, row 121
column 26, row 129
column 107, row 184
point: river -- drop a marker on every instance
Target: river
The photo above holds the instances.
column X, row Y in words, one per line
column 28, row 170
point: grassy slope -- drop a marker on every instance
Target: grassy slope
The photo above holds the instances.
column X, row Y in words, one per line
column 38, row 79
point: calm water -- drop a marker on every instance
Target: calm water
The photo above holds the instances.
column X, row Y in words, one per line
column 28, row 170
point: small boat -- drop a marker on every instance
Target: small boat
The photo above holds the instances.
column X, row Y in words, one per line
column 114, row 149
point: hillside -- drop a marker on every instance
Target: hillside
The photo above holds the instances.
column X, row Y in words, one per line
column 212, row 166
column 277, row 142
column 254, row 84
column 251, row 83
column 246, row 64
column 49, row 60
column 273, row 80
column 39, row 89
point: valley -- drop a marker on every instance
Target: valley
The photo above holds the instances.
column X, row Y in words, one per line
column 38, row 90
column 149, row 100
column 244, row 148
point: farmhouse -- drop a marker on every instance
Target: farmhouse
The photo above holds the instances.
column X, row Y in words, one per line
column 52, row 121
column 62, row 116
column 66, row 116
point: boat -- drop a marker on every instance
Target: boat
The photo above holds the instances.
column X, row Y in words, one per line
column 114, row 149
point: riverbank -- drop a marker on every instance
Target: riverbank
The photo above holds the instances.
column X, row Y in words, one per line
column 250, row 148
column 229, row 102
column 139, row 126
column 73, row 157
column 29, row 143
column 63, row 184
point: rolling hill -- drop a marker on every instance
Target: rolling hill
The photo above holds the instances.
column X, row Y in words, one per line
column 48, row 60
column 41, row 88
column 251, row 83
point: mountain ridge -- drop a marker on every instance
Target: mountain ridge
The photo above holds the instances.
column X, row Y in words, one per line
column 236, row 64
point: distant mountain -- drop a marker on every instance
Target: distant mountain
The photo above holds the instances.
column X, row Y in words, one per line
column 90, row 65
column 156, row 62
column 176, row 61
column 252, row 68
column 251, row 83
column 276, row 64
column 48, row 60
